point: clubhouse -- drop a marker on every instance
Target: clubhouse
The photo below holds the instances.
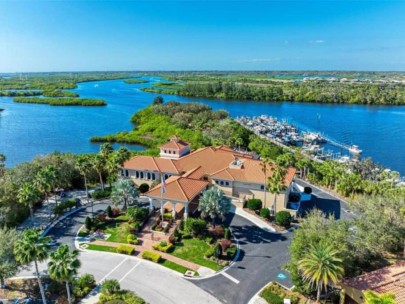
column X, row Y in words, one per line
column 188, row 173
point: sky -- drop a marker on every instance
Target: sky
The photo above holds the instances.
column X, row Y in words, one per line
column 100, row 35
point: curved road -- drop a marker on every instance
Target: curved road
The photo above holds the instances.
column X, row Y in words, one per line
column 261, row 259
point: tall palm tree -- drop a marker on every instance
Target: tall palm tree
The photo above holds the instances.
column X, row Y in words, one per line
column 28, row 194
column 84, row 166
column 124, row 191
column 264, row 166
column 321, row 266
column 98, row 165
column 122, row 155
column 105, row 150
column 43, row 182
column 32, row 247
column 276, row 183
column 63, row 266
column 370, row 297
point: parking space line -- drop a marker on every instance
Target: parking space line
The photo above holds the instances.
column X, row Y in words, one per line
column 230, row 277
column 125, row 275
column 112, row 270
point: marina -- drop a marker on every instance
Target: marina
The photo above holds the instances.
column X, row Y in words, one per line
column 287, row 135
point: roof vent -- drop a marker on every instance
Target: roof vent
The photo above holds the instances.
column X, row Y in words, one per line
column 236, row 164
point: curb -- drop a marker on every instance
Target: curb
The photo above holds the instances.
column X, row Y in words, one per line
column 61, row 218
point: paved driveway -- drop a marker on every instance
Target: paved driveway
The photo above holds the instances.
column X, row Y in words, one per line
column 261, row 259
column 326, row 202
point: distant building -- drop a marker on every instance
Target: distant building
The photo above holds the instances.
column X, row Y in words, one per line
column 188, row 173
column 387, row 279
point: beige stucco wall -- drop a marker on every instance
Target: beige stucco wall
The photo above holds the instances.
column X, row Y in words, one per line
column 355, row 294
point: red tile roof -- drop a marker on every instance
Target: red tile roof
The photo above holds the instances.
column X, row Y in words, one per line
column 175, row 143
column 387, row 279
column 179, row 188
column 152, row 164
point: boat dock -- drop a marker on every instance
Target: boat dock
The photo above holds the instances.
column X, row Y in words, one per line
column 287, row 135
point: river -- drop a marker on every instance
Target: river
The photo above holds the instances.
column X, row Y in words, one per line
column 27, row 130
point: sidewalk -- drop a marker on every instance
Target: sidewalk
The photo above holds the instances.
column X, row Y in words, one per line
column 44, row 215
column 255, row 220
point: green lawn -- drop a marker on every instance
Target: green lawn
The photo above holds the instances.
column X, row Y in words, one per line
column 173, row 266
column 119, row 232
column 193, row 250
column 101, row 248
column 82, row 233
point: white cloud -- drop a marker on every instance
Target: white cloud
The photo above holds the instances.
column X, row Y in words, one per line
column 316, row 41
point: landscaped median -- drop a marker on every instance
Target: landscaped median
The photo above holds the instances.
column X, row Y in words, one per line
column 191, row 245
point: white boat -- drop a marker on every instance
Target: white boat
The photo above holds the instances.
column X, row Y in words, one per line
column 355, row 149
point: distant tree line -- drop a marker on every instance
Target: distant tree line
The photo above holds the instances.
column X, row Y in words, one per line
column 314, row 91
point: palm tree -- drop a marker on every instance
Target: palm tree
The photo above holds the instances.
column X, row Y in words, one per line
column 84, row 167
column 63, row 266
column 122, row 155
column 321, row 266
column 28, row 194
column 43, row 182
column 239, row 142
column 124, row 191
column 98, row 165
column 105, row 150
column 32, row 247
column 264, row 165
column 370, row 297
column 276, row 183
column 214, row 203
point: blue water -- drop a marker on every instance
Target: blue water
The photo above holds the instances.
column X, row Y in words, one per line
column 28, row 129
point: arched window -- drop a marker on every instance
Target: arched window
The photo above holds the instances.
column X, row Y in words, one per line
column 148, row 175
column 153, row 176
column 137, row 174
column 141, row 174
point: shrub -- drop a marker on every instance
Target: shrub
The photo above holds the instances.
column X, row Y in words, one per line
column 307, row 190
column 143, row 188
column 231, row 251
column 100, row 194
column 137, row 214
column 116, row 211
column 65, row 206
column 210, row 252
column 110, row 287
column 163, row 246
column 195, row 226
column 125, row 249
column 151, row 256
column 131, row 298
column 167, row 216
column 273, row 292
column 225, row 244
column 209, row 239
column 88, row 223
column 227, row 233
column 217, row 250
column 254, row 204
column 134, row 227
column 122, row 218
column 109, row 212
column 265, row 212
column 218, row 231
column 83, row 285
column 181, row 225
column 132, row 239
column 283, row 218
